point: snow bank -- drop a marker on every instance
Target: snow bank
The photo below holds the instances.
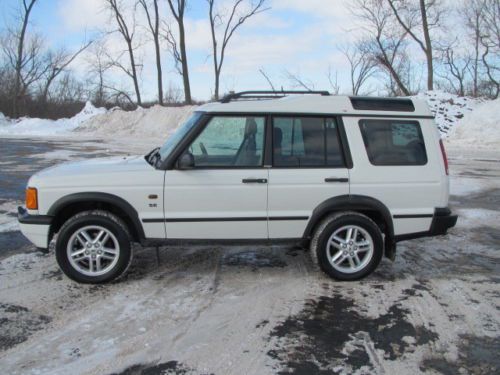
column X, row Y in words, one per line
column 156, row 121
column 448, row 108
column 479, row 128
column 44, row 127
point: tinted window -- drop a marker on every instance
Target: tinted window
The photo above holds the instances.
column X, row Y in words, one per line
column 230, row 141
column 377, row 104
column 393, row 142
column 306, row 142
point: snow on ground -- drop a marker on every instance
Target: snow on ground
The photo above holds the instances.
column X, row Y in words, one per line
column 44, row 127
column 479, row 128
column 154, row 122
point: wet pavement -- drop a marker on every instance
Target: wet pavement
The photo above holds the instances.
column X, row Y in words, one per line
column 255, row 309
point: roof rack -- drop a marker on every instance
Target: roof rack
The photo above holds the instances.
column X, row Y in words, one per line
column 262, row 94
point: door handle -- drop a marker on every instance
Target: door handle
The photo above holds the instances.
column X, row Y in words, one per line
column 335, row 179
column 254, row 180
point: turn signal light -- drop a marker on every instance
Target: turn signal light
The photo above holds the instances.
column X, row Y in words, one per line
column 31, row 199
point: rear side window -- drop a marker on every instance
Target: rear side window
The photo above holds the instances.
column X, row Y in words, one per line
column 306, row 142
column 393, row 142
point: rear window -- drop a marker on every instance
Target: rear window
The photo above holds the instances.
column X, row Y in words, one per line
column 393, row 142
column 306, row 142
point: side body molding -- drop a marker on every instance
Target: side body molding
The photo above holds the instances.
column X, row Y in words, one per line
column 349, row 203
column 95, row 197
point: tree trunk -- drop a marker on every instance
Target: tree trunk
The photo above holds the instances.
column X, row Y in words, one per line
column 476, row 61
column 158, row 69
column 19, row 59
column 428, row 46
column 214, row 51
column 185, row 71
column 134, row 74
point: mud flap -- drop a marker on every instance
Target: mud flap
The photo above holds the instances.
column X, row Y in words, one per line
column 390, row 249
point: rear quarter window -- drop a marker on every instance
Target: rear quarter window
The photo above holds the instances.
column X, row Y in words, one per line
column 393, row 142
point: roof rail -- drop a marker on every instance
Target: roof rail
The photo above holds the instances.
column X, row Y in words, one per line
column 263, row 94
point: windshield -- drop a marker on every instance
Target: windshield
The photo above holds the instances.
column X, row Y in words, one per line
column 179, row 133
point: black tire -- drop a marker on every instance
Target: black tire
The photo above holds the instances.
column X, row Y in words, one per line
column 94, row 218
column 328, row 226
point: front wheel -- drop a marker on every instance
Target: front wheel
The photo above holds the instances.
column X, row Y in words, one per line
column 93, row 247
column 347, row 246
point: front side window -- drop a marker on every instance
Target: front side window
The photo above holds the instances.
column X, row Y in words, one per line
column 230, row 141
column 306, row 142
column 178, row 135
column 393, row 142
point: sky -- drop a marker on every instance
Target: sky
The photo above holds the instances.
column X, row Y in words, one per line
column 298, row 36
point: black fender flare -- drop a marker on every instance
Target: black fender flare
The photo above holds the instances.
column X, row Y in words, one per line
column 97, row 197
column 349, row 203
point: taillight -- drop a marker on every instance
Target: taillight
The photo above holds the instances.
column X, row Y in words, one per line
column 443, row 152
column 31, row 199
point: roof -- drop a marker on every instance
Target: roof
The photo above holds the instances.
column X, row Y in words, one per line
column 321, row 104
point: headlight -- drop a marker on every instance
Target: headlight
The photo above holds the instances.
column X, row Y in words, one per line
column 31, row 199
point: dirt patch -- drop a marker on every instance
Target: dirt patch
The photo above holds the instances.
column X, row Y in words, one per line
column 17, row 323
column 477, row 355
column 331, row 336
column 167, row 368
column 254, row 259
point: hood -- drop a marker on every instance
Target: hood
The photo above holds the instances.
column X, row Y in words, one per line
column 90, row 172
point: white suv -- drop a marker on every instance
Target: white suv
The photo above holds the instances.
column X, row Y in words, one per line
column 347, row 176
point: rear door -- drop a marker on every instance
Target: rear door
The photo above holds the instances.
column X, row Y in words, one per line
column 396, row 163
column 225, row 195
column 308, row 167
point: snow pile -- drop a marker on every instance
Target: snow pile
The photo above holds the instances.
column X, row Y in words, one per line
column 45, row 127
column 153, row 122
column 448, row 108
column 3, row 120
column 479, row 128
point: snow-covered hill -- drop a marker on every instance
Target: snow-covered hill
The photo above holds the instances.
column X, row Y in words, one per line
column 448, row 108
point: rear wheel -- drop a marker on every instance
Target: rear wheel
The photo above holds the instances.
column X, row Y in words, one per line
column 347, row 246
column 93, row 247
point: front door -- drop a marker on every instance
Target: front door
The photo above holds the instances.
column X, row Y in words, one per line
column 224, row 195
column 308, row 168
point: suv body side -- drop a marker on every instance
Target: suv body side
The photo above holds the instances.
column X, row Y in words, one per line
column 283, row 207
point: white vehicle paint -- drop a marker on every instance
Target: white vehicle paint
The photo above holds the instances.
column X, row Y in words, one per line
column 232, row 172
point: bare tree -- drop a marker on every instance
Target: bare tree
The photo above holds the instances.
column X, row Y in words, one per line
column 419, row 18
column 266, row 77
column 334, row 82
column 98, row 64
column 174, row 94
column 21, row 60
column 384, row 42
column 154, row 26
column 178, row 48
column 127, row 32
column 457, row 68
column 490, row 40
column 297, row 81
column 471, row 11
column 230, row 25
column 33, row 66
column 362, row 65
column 57, row 62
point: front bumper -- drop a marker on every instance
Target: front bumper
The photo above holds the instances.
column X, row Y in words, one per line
column 442, row 220
column 35, row 228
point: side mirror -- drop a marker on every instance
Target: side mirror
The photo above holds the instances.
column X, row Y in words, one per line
column 186, row 161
